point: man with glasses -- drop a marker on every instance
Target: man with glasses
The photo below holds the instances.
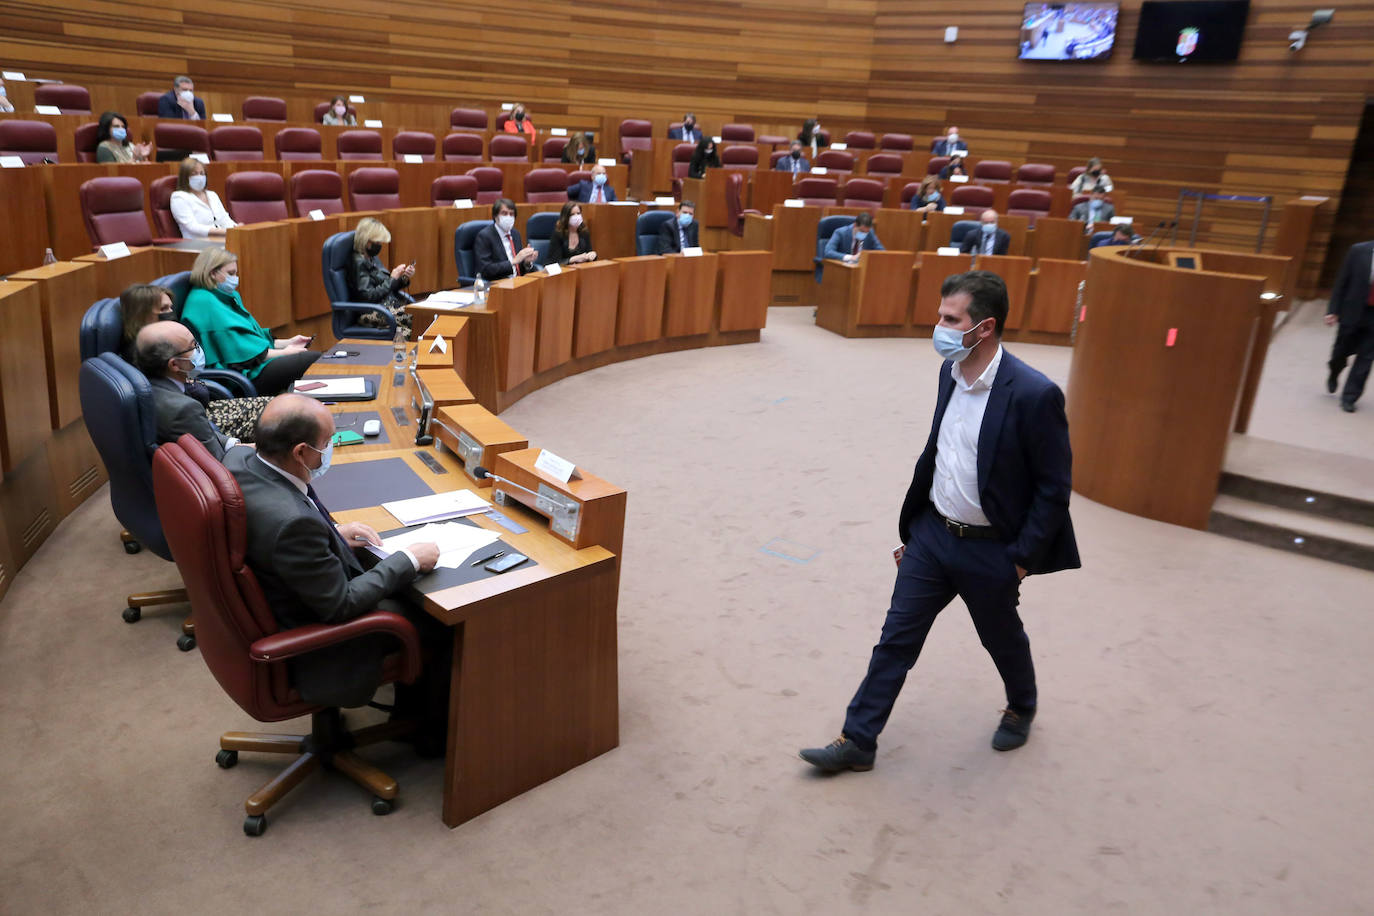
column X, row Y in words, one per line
column 168, row 354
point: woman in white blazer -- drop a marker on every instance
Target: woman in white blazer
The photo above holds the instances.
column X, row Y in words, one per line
column 197, row 209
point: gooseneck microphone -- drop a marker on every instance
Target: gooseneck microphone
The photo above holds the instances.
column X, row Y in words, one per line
column 482, row 473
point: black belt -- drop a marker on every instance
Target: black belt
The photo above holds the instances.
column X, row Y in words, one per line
column 960, row 530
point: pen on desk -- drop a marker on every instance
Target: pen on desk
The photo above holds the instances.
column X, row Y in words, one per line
column 499, row 553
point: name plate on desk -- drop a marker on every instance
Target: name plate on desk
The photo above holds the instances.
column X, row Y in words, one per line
column 559, row 468
column 11, row 162
column 956, row 153
column 553, row 270
column 412, row 157
column 665, row 201
column 439, row 345
column 317, row 215
column 222, row 118
column 463, row 203
column 946, row 249
column 956, row 211
column 201, row 157
column 794, row 202
column 507, row 106
column 13, row 75
column 819, row 170
column 356, row 98
column 840, row 146
column 47, row 109
column 558, row 131
column 1122, row 220
column 372, row 122
column 606, row 161
column 115, row 250
column 693, row 252
column 958, row 179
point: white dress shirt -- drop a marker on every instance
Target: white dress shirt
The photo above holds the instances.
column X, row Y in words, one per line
column 954, row 490
column 508, row 247
column 195, row 217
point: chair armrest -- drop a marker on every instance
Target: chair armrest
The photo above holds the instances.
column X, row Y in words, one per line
column 235, row 383
column 302, row 640
column 381, row 310
column 217, row 391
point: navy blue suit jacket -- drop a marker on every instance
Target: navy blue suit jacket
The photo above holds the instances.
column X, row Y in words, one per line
column 943, row 147
column 167, row 106
column 1350, row 292
column 489, row 254
column 1024, row 467
column 841, row 242
column 677, row 133
column 582, row 192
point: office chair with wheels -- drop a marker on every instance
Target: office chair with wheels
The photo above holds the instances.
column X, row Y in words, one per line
column 824, row 230
column 245, row 649
column 335, row 256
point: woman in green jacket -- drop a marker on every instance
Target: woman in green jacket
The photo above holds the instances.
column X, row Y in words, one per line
column 230, row 336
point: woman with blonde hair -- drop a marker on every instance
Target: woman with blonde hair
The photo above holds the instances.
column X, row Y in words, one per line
column 370, row 281
column 928, row 198
column 230, row 336
column 197, row 209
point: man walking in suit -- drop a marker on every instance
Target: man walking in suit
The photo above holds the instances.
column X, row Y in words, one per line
column 988, row 505
column 1095, row 209
column 168, row 354
column 794, row 161
column 688, row 132
column 496, row 250
column 596, row 191
column 680, row 232
column 846, row 242
column 988, row 239
column 1352, row 308
column 947, row 146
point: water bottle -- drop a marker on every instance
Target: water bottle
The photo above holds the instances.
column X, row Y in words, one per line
column 398, row 347
column 48, row 257
column 479, row 292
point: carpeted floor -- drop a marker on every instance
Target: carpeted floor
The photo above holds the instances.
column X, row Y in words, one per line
column 1201, row 746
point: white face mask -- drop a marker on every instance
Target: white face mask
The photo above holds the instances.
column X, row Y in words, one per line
column 187, row 95
column 506, row 222
column 953, row 138
column 340, row 111
column 575, row 220
column 197, row 182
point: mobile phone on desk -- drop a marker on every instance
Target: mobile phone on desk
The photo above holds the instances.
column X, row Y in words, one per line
column 309, row 386
column 509, row 561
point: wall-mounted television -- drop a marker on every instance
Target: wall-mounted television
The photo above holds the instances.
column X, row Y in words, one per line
column 1068, row 31
column 1178, row 31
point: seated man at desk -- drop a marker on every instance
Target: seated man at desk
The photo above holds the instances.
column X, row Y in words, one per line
column 847, row 242
column 794, row 161
column 497, row 251
column 309, row 572
column 681, row 232
column 180, row 101
column 1095, row 209
column 947, row 146
column 988, row 239
column 595, row 191
column 688, row 132
column 1121, row 235
column 167, row 353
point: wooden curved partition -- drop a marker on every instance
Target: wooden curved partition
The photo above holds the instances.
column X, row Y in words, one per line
column 1162, row 357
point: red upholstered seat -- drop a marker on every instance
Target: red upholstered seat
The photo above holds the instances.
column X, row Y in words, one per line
column 1035, row 173
column 146, row 105
column 734, row 206
column 490, row 183
column 1083, row 198
column 468, row 119
column 936, row 164
column 32, row 141
column 909, row 191
column 635, row 134
column 413, row 143
column 461, row 147
column 996, row 171
column 774, row 156
column 508, row 148
column 834, row 160
column 374, row 189
column 546, row 186
column 971, row 195
column 682, row 158
column 173, row 135
column 772, row 140
column 316, row 189
column 322, row 109
column 255, row 197
column 445, row 189
column 1031, row 203
column 860, row 139
column 579, row 176
column 740, row 157
column 740, row 132
column 85, row 142
column 885, row 164
column 817, row 192
column 863, row 192
column 298, row 143
column 552, row 150
column 824, row 137
column 360, row 145
column 901, row 142
column 238, row 142
column 264, row 108
column 113, row 210
column 1075, row 172
column 160, row 202
column 68, row 98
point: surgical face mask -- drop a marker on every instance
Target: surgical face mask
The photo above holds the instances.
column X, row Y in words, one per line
column 599, row 178
column 374, row 249
column 989, row 228
column 860, row 235
column 197, row 182
column 118, row 134
column 953, row 138
column 340, row 111
column 187, row 95
column 575, row 220
column 197, row 360
column 325, row 457
column 949, row 343
column 506, row 222
column 228, row 284
column 684, row 220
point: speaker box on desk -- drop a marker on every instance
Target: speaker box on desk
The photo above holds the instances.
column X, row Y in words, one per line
column 476, row 436
column 580, row 512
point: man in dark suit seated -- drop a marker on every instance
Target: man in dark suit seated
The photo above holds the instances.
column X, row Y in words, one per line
column 680, row 232
column 595, row 191
column 947, row 146
column 1095, row 209
column 988, row 505
column 1121, row 235
column 497, row 251
column 688, row 132
column 168, row 354
column 309, row 571
column 1352, row 307
column 794, row 161
column 181, row 102
column 988, row 239
column 846, row 242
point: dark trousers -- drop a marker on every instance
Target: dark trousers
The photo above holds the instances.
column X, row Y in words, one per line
column 938, row 566
column 277, row 374
column 1355, row 340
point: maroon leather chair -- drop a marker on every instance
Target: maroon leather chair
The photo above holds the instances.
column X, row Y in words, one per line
column 546, row 186
column 374, row 189
column 992, row 171
column 900, row 142
column 1075, row 172
column 255, row 197
column 298, row 143
column 445, row 189
column 174, row 135
column 973, row 196
column 741, row 132
column 32, row 141
column 1083, row 198
column 734, row 206
column 740, row 157
column 773, row 140
column 236, row 143
column 508, row 148
column 264, row 108
column 360, row 144
column 203, row 512
column 936, row 141
column 146, row 105
column 85, row 142
column 774, row 156
column 112, row 208
column 160, row 202
column 909, row 191
column 490, row 183
column 834, row 160
column 578, row 177
column 682, row 158
column 936, row 164
column 413, row 143
column 1035, row 173
column 322, row 109
column 817, row 192
column 823, row 136
column 552, row 150
column 635, row 134
column 316, row 189
column 461, row 147
column 884, row 165
column 863, row 192
column 68, row 98
column 860, row 139
column 1031, row 203
column 468, row 119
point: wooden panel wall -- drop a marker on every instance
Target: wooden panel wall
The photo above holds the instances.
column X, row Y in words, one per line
column 1273, row 123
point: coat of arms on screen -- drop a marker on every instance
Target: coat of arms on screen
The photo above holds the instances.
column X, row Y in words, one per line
column 1187, row 42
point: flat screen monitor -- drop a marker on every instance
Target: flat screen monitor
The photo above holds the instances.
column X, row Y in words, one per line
column 1068, row 31
column 1177, row 31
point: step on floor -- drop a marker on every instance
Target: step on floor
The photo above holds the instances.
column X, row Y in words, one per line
column 1347, row 542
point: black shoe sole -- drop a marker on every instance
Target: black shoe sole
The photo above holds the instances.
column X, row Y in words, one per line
column 855, row 767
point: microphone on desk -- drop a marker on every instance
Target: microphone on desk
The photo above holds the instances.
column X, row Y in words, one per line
column 1173, row 223
column 1141, row 243
column 482, row 473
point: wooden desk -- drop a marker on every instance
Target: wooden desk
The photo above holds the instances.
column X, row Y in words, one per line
column 934, row 268
column 874, row 292
column 639, row 316
column 557, row 310
column 25, row 419
column 598, row 293
column 515, row 301
column 264, row 254
column 743, row 290
column 308, row 298
column 1054, row 295
column 691, row 296
column 1015, row 271
column 66, row 290
column 1062, row 239
column 413, row 230
column 769, row 188
column 612, row 227
column 22, row 204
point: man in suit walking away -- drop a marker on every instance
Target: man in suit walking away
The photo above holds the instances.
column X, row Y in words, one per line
column 988, row 505
column 1352, row 308
column 168, row 354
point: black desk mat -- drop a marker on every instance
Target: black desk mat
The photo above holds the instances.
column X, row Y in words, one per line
column 442, row 577
column 358, row 354
column 356, row 485
column 375, row 385
column 353, row 420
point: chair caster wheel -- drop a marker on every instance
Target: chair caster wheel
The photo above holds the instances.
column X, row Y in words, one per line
column 227, row 759
column 381, row 806
column 132, row 547
column 132, row 614
column 255, row 824
column 186, row 643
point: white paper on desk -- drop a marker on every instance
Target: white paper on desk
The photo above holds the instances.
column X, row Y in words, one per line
column 794, row 202
column 665, row 201
column 692, row 252
column 222, row 117
column 1122, row 220
column 455, row 296
column 553, row 269
column 201, row 157
column 558, row 131
column 334, row 387
column 13, row 75
column 11, row 162
column 372, row 122
column 356, row 98
column 317, row 215
column 957, row 211
column 946, row 249
column 507, row 106
column 624, row 203
column 438, row 344
column 115, row 250
column 819, row 170
column 412, row 157
column 463, row 203
column 436, row 508
column 456, row 542
column 47, row 109
column 839, row 146
column 958, row 179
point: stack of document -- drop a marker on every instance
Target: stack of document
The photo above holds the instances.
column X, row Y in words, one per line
column 456, row 541
column 450, row 298
column 436, row 508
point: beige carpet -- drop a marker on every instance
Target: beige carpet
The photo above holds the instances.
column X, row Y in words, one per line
column 1202, row 746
